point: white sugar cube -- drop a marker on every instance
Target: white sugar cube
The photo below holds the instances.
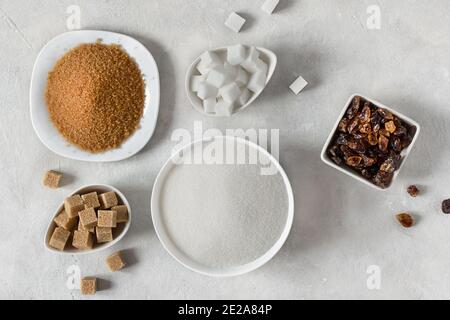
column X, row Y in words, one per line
column 269, row 6
column 217, row 77
column 230, row 92
column 224, row 108
column 250, row 63
column 231, row 71
column 236, row 54
column 209, row 105
column 257, row 82
column 208, row 61
column 241, row 77
column 235, row 22
column 298, row 85
column 205, row 90
column 196, row 80
column 261, row 66
column 244, row 97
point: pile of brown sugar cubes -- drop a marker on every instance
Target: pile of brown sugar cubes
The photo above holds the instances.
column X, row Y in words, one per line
column 88, row 220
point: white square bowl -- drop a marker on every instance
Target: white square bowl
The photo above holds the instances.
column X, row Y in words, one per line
column 343, row 168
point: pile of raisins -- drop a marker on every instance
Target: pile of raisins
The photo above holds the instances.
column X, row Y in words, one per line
column 369, row 140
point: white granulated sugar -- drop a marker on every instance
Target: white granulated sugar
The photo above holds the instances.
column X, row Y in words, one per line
column 223, row 215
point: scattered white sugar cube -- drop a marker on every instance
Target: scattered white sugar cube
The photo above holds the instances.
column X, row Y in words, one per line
column 298, row 85
column 196, row 80
column 269, row 6
column 205, row 90
column 217, row 77
column 257, row 82
column 250, row 63
column 224, row 108
column 230, row 92
column 235, row 22
column 209, row 105
column 231, row 71
column 244, row 97
column 208, row 61
column 236, row 54
column 241, row 77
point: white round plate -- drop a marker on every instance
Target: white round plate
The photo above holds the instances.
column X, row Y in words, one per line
column 180, row 256
column 40, row 118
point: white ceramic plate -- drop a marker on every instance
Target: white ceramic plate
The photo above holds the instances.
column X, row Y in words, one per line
column 190, row 263
column 121, row 230
column 46, row 60
column 405, row 153
column 266, row 55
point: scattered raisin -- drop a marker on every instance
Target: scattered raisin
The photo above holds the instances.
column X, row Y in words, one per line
column 405, row 219
column 446, row 206
column 413, row 191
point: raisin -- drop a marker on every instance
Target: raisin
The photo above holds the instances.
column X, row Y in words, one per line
column 390, row 126
column 413, row 191
column 342, row 139
column 405, row 219
column 388, row 165
column 372, row 138
column 353, row 110
column 364, row 116
column 383, row 143
column 446, row 206
column 368, row 161
column 396, row 144
column 337, row 160
column 352, row 125
column 365, row 128
column 343, row 125
column 356, row 146
column 401, row 130
column 387, row 115
column 354, row 161
column 383, row 179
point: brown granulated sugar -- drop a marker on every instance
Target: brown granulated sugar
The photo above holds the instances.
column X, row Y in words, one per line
column 95, row 96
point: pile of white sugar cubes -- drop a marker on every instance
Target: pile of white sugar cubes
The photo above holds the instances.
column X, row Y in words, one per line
column 226, row 82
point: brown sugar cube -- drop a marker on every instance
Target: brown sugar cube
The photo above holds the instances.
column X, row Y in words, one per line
column 88, row 218
column 91, row 200
column 73, row 205
column 81, row 227
column 108, row 200
column 122, row 213
column 115, row 262
column 52, row 179
column 62, row 220
column 82, row 239
column 59, row 238
column 103, row 234
column 107, row 218
column 88, row 286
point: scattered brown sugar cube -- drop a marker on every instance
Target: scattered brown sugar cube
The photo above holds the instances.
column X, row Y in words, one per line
column 52, row 179
column 88, row 286
column 122, row 213
column 108, row 200
column 107, row 218
column 64, row 221
column 115, row 262
column 81, row 227
column 413, row 191
column 405, row 219
column 82, row 239
column 73, row 205
column 88, row 217
column 91, row 200
column 59, row 238
column 103, row 234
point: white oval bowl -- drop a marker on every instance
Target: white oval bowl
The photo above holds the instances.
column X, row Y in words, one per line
column 193, row 265
column 266, row 55
column 40, row 118
column 100, row 188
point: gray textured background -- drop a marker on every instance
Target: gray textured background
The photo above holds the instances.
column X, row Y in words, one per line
column 341, row 226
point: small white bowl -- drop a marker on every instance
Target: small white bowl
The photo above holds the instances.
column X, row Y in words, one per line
column 119, row 232
column 266, row 55
column 45, row 62
column 405, row 153
column 179, row 255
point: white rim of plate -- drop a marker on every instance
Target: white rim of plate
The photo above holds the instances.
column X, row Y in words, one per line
column 170, row 247
column 151, row 108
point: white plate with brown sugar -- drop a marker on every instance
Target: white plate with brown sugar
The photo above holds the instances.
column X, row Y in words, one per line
column 40, row 116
